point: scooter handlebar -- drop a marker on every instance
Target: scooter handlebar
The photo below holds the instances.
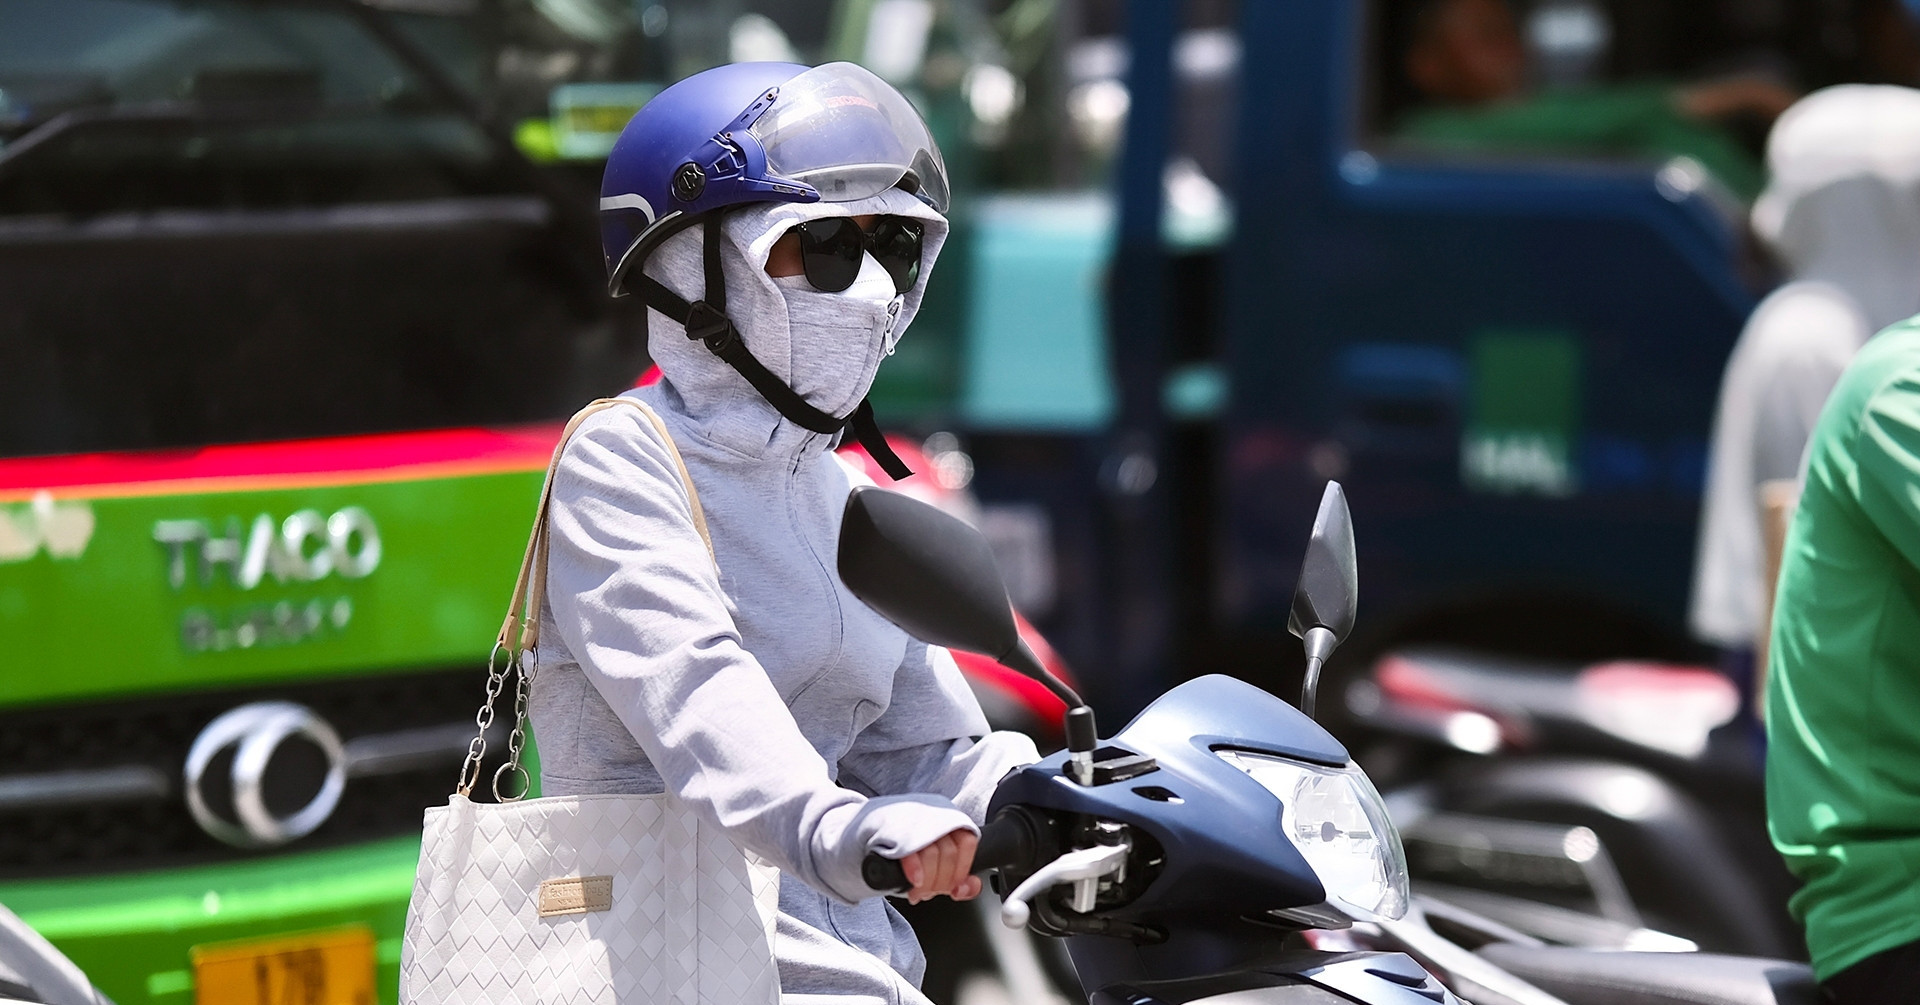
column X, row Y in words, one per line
column 1006, row 840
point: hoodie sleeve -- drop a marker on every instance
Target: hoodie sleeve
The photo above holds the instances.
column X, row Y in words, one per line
column 636, row 599
column 933, row 738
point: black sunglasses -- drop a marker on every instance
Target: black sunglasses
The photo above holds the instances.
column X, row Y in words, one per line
column 830, row 250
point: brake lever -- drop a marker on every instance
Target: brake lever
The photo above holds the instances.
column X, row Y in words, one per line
column 1084, row 869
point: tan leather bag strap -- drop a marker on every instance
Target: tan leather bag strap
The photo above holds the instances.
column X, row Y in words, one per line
column 521, row 630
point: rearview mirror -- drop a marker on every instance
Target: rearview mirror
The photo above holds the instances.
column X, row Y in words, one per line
column 934, row 576
column 1329, row 588
column 927, row 572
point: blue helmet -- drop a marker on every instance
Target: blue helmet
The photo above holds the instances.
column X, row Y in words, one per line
column 759, row 132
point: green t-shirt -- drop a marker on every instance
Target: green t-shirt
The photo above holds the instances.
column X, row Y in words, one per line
column 1632, row 121
column 1843, row 695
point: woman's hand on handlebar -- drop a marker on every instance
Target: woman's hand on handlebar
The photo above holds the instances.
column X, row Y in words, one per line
column 943, row 867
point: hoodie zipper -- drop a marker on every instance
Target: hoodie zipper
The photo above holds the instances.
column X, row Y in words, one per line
column 893, row 320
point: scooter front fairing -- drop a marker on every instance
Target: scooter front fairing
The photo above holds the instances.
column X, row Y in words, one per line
column 1212, row 882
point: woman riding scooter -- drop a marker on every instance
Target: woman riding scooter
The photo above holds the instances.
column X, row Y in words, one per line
column 781, row 222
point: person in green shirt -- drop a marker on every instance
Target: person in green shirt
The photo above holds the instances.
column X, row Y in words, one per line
column 1468, row 62
column 1843, row 694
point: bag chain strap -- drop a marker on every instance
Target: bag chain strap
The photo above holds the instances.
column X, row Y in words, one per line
column 520, row 633
column 517, row 740
column 477, row 747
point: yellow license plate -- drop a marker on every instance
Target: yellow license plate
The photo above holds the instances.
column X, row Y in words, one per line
column 318, row 968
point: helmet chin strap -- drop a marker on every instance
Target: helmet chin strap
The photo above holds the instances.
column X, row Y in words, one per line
column 706, row 321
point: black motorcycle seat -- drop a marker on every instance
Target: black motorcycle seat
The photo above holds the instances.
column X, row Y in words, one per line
column 1587, row 977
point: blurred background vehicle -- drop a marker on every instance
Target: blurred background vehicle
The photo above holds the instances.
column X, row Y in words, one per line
column 294, row 294
column 287, row 326
column 1491, row 284
column 1602, row 805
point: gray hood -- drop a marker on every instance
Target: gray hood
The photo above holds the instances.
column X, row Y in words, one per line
column 831, row 367
column 1843, row 204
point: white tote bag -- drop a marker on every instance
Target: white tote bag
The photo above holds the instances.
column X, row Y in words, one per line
column 615, row 898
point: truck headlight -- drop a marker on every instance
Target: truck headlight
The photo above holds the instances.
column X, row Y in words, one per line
column 1336, row 818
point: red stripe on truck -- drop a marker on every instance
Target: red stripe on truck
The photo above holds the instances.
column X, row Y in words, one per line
column 341, row 460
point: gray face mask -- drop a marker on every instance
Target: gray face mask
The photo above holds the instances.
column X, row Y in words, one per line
column 857, row 326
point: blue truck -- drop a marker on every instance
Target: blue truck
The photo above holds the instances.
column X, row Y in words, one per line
column 1510, row 362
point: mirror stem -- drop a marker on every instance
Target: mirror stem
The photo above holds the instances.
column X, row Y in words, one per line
column 1023, row 660
column 1082, row 736
column 1081, row 740
column 1319, row 643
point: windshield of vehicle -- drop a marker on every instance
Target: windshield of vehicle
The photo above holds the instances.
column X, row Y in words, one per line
column 230, row 221
column 138, row 105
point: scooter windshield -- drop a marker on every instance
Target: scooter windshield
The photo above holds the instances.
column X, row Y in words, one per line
column 849, row 135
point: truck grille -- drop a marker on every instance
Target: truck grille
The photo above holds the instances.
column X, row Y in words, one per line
column 100, row 787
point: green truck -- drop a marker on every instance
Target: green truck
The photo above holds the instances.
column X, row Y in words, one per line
column 251, row 667
column 287, row 335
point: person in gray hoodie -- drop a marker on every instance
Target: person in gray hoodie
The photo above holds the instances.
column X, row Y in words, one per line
column 751, row 683
column 1843, row 213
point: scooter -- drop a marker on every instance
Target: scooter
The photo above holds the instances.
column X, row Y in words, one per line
column 1187, row 858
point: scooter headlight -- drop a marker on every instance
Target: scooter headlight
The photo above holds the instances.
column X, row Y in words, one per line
column 1338, row 821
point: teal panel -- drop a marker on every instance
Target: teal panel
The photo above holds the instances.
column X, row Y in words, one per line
column 1036, row 348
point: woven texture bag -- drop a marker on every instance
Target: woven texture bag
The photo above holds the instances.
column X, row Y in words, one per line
column 609, row 898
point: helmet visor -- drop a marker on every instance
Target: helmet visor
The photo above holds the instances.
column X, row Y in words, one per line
column 850, row 135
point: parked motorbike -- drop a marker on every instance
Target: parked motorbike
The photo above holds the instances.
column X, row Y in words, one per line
column 1596, row 805
column 1200, row 853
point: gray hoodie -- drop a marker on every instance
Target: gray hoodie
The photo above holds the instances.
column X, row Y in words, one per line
column 1843, row 212
column 768, row 698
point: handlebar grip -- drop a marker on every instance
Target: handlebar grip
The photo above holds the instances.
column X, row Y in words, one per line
column 883, row 873
column 1006, row 840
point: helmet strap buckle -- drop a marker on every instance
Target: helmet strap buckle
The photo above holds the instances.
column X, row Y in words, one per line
column 706, row 323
